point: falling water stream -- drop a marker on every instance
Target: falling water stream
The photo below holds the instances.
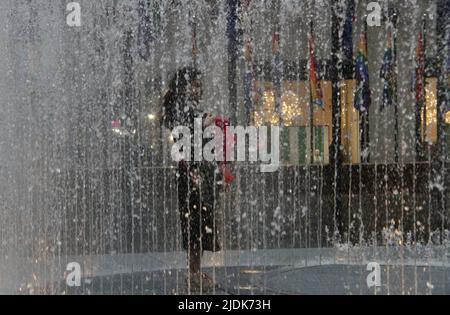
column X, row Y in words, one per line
column 86, row 174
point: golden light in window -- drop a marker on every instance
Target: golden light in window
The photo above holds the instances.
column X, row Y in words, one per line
column 429, row 131
column 294, row 106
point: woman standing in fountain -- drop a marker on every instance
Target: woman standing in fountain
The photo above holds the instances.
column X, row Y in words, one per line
column 197, row 181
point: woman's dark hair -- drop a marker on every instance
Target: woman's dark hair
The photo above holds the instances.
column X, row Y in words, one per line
column 175, row 99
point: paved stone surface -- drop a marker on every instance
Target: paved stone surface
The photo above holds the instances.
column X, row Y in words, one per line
column 280, row 271
column 323, row 280
column 351, row 280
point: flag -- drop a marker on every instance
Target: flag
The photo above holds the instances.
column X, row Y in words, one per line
column 347, row 35
column 314, row 83
column 418, row 86
column 388, row 73
column 362, row 94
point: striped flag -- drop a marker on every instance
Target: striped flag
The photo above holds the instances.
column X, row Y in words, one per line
column 314, row 83
column 388, row 73
column 362, row 94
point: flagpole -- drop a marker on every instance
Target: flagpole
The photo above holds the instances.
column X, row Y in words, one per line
column 418, row 128
column 276, row 60
column 194, row 39
column 335, row 153
column 232, row 7
column 424, row 105
column 249, row 75
column 364, row 119
column 394, row 48
column 420, row 60
column 311, row 105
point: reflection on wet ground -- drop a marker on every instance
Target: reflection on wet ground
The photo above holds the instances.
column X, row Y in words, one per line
column 325, row 279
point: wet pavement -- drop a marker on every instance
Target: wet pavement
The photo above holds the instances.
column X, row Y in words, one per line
column 322, row 280
column 341, row 270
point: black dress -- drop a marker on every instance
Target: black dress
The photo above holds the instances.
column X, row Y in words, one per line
column 197, row 201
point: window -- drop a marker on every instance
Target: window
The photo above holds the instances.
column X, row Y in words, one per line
column 295, row 138
column 429, row 131
column 350, row 134
column 429, row 112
